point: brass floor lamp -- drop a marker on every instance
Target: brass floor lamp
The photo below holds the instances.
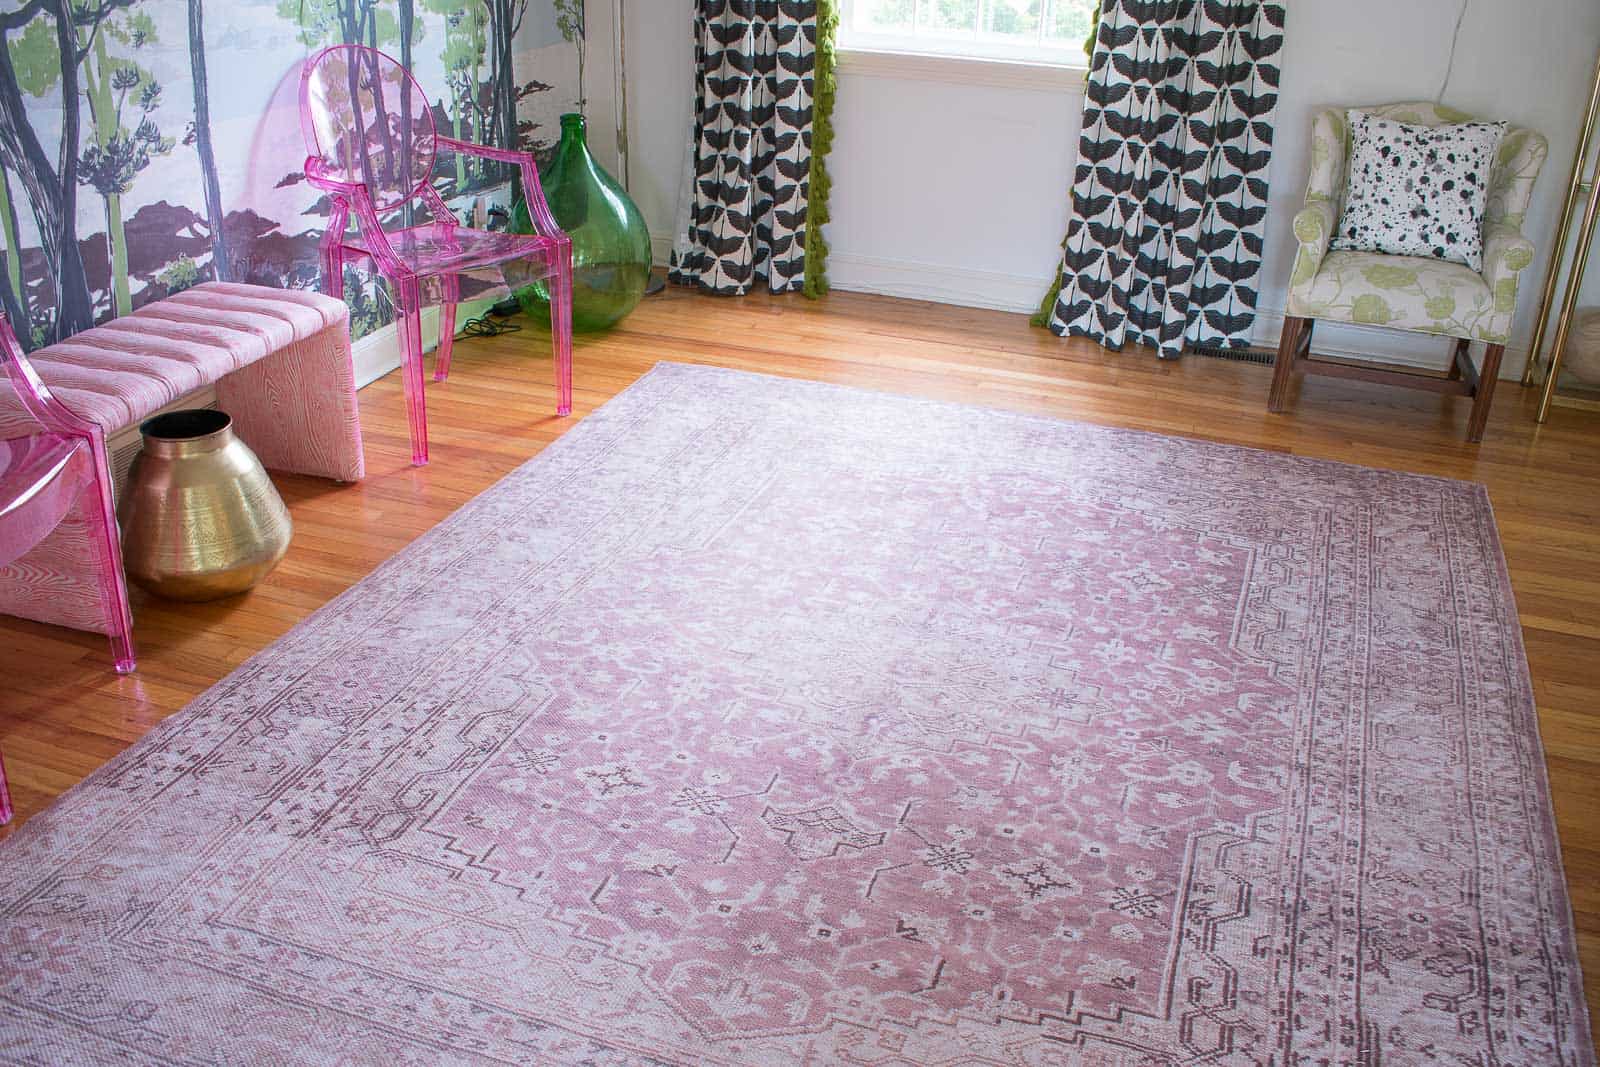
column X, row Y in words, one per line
column 1578, row 187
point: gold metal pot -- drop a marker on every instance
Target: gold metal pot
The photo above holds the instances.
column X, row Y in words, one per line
column 200, row 518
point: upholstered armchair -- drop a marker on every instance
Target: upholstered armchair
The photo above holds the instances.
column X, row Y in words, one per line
column 1408, row 292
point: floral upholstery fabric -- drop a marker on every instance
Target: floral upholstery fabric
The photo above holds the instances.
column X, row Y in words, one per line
column 1410, row 292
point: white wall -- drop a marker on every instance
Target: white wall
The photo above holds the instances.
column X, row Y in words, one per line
column 949, row 191
column 956, row 191
column 660, row 60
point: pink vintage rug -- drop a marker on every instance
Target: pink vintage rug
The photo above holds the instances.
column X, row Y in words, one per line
column 760, row 722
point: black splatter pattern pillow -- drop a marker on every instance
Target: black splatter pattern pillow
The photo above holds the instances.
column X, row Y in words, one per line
column 1418, row 190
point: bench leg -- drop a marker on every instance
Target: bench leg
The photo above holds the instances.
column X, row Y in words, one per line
column 61, row 580
column 1487, row 377
column 297, row 408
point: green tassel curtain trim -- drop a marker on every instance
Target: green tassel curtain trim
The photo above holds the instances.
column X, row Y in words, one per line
column 1047, row 306
column 825, row 87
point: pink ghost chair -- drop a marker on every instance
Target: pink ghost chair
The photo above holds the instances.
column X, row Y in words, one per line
column 42, row 477
column 372, row 142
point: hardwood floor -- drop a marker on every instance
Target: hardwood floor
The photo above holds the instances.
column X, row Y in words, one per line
column 63, row 713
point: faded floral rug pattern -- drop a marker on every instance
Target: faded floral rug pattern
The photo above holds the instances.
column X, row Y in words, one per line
column 765, row 722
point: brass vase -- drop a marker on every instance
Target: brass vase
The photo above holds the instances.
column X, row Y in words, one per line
column 200, row 518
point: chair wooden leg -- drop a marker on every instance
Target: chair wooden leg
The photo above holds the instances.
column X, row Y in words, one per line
column 1296, row 334
column 1487, row 377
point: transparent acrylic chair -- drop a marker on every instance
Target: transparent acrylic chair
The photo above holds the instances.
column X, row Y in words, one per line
column 372, row 141
column 45, row 474
column 42, row 477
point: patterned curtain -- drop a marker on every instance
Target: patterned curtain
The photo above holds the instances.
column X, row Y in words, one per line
column 1164, row 239
column 751, row 180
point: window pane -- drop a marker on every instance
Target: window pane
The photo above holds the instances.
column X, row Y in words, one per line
column 1013, row 18
column 1030, row 31
column 949, row 15
column 881, row 16
column 1071, row 22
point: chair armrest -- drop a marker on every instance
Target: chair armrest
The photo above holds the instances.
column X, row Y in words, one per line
column 1330, row 130
column 1313, row 229
column 35, row 396
column 1314, row 224
column 1506, row 254
column 348, row 197
column 538, row 209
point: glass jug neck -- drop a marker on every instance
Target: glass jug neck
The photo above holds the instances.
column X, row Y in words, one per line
column 572, row 130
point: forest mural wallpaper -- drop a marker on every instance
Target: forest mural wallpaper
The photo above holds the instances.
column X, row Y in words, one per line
column 147, row 145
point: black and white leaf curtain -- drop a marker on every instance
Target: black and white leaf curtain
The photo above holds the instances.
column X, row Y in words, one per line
column 1170, row 192
column 748, row 191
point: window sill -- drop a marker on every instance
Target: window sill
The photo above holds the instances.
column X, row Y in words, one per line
column 960, row 69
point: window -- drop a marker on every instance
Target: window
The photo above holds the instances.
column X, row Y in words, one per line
column 1038, row 31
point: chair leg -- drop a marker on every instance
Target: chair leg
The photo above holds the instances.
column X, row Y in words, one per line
column 1487, row 377
column 447, row 329
column 113, row 579
column 560, row 285
column 413, row 374
column 1296, row 332
column 447, row 339
column 333, row 274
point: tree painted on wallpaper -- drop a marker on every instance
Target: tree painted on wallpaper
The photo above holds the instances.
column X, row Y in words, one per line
column 184, row 274
column 81, row 60
column 120, row 95
column 504, row 15
column 39, row 52
column 113, row 164
column 324, row 22
column 466, row 47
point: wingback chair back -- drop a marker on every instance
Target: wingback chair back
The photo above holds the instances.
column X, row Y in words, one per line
column 1522, row 154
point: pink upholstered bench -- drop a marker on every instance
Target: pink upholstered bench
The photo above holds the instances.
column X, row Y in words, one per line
column 280, row 362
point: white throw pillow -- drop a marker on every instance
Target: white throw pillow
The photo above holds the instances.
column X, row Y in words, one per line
column 1418, row 190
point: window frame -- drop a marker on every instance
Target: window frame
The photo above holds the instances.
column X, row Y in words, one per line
column 938, row 51
column 963, row 70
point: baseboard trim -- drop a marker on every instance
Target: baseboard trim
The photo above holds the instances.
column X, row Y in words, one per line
column 998, row 291
column 378, row 352
column 661, row 248
column 910, row 280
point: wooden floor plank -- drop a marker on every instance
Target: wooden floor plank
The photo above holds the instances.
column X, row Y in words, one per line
column 63, row 714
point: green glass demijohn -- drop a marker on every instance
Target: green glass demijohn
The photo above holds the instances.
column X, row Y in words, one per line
column 610, row 243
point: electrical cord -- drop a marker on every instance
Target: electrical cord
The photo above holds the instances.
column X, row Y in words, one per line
column 487, row 326
column 1450, row 63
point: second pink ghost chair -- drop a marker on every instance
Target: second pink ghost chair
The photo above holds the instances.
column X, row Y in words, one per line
column 372, row 142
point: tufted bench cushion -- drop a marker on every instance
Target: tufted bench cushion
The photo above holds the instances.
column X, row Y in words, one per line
column 280, row 361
